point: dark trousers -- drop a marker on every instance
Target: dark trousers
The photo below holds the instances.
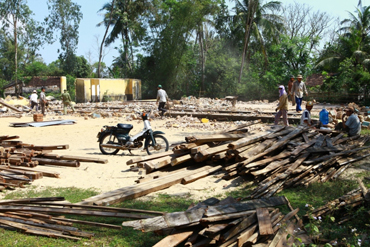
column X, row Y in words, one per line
column 33, row 104
column 161, row 108
column 298, row 101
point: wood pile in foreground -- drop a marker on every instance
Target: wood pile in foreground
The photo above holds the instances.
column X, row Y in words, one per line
column 227, row 223
column 45, row 217
column 275, row 158
column 18, row 161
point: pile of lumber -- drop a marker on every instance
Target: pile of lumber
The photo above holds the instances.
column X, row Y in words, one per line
column 277, row 158
column 18, row 161
column 45, row 217
column 340, row 205
column 227, row 223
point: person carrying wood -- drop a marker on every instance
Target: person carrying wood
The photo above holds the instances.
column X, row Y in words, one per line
column 66, row 98
column 162, row 98
column 298, row 89
column 306, row 115
column 282, row 107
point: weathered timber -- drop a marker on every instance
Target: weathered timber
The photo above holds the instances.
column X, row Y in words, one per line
column 272, row 166
column 194, row 177
column 245, row 206
column 246, row 222
column 9, row 106
column 174, row 239
column 218, row 137
column 148, row 157
column 44, row 173
column 204, row 154
column 78, row 158
column 252, row 138
column 258, row 149
column 53, row 162
column 262, row 162
column 5, row 208
column 181, row 159
column 199, row 148
column 264, row 222
column 83, row 222
column 52, row 147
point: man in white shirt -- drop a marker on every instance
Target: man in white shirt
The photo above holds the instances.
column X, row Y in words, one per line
column 162, row 98
column 33, row 100
column 306, row 115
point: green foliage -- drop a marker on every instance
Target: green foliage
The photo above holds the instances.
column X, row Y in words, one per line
column 65, row 16
column 71, row 86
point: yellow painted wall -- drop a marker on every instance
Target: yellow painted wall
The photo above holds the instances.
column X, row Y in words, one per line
column 115, row 89
column 83, row 90
column 63, row 83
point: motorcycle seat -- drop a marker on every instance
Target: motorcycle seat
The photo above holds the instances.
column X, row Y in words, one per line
column 124, row 126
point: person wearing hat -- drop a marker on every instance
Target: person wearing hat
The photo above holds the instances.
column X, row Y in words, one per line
column 33, row 100
column 42, row 100
column 290, row 85
column 162, row 98
column 306, row 115
column 282, row 106
column 299, row 87
column 352, row 125
column 66, row 98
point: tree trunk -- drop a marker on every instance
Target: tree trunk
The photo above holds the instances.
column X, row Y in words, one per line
column 105, row 36
column 249, row 21
column 16, row 55
column 201, row 40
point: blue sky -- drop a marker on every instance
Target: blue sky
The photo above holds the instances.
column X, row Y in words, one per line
column 88, row 29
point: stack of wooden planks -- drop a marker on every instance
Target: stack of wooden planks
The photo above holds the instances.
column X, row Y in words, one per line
column 340, row 205
column 18, row 161
column 227, row 223
column 45, row 217
column 277, row 158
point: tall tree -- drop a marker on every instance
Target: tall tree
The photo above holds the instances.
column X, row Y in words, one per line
column 258, row 18
column 65, row 16
column 107, row 26
column 125, row 17
column 14, row 15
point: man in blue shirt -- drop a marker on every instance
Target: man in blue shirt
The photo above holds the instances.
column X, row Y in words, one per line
column 353, row 124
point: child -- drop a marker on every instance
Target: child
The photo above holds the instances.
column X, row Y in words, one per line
column 306, row 115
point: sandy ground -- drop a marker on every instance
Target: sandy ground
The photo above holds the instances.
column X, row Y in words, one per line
column 82, row 141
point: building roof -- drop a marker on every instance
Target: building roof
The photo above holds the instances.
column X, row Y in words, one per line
column 316, row 79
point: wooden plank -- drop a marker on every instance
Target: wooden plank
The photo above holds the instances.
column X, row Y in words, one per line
column 53, row 162
column 245, row 235
column 51, row 147
column 10, row 106
column 174, row 239
column 83, row 222
column 251, row 138
column 218, row 137
column 281, row 155
column 246, row 222
column 44, row 173
column 258, row 149
column 264, row 222
column 272, row 166
column 199, row 148
column 148, row 157
column 194, row 177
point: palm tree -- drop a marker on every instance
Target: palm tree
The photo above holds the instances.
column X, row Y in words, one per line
column 124, row 17
column 260, row 21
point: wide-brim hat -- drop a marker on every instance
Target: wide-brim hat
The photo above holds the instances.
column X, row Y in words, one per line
column 160, row 86
column 34, row 91
column 299, row 76
column 292, row 76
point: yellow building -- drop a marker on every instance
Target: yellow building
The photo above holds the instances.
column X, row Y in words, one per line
column 101, row 89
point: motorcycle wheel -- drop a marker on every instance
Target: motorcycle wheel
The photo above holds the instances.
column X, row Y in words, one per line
column 162, row 145
column 108, row 139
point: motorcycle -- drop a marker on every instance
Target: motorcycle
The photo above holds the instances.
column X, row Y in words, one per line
column 114, row 138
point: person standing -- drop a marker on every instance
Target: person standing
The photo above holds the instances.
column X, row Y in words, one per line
column 66, row 98
column 162, row 98
column 299, row 87
column 42, row 100
column 290, row 85
column 33, row 100
column 282, row 106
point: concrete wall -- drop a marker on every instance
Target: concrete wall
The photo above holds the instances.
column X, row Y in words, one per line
column 50, row 83
column 114, row 89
